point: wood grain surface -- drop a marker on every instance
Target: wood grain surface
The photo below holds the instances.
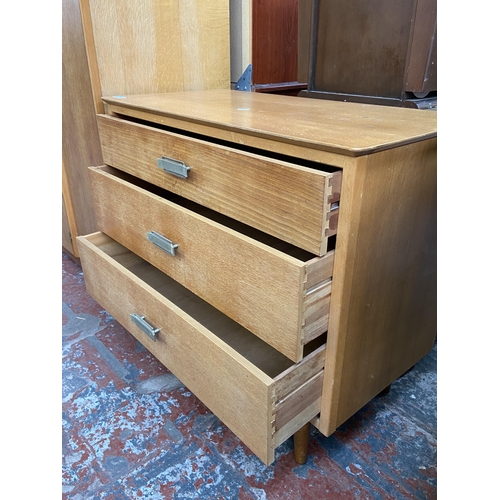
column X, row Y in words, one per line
column 69, row 229
column 80, row 138
column 422, row 64
column 149, row 46
column 362, row 46
column 274, row 41
column 383, row 302
column 340, row 127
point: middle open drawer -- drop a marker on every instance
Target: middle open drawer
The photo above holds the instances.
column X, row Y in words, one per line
column 279, row 292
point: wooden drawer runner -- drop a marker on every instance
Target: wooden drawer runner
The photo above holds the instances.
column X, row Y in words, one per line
column 257, row 392
column 278, row 292
column 288, row 201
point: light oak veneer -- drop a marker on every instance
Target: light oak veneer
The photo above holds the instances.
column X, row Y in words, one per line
column 351, row 129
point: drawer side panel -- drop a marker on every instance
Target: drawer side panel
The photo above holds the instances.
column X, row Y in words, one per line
column 287, row 409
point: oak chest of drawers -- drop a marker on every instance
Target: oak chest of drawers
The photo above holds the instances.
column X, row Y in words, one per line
column 277, row 254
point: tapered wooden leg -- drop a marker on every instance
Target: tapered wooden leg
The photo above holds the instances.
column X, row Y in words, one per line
column 385, row 391
column 300, row 442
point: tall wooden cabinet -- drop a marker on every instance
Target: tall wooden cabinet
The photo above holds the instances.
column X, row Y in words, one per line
column 275, row 47
column 111, row 48
column 80, row 139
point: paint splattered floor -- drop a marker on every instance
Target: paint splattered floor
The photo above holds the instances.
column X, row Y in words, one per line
column 132, row 431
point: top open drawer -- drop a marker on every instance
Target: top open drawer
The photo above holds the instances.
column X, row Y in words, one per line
column 292, row 202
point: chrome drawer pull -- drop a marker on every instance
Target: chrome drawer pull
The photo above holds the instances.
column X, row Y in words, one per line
column 174, row 167
column 161, row 242
column 144, row 326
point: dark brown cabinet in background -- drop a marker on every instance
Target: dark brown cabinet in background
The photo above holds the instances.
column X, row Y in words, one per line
column 380, row 52
column 275, row 47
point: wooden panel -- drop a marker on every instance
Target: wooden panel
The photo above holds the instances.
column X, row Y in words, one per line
column 149, row 46
column 241, row 44
column 137, row 47
column 88, row 33
column 305, row 19
column 297, row 422
column 316, row 311
column 422, row 59
column 298, row 400
column 274, row 41
column 319, row 270
column 69, row 230
column 67, row 240
column 80, row 139
column 362, row 46
column 297, row 375
column 430, row 80
column 282, row 199
column 257, row 286
column 338, row 127
column 383, row 309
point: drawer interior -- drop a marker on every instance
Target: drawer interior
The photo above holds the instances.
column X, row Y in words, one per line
column 259, row 353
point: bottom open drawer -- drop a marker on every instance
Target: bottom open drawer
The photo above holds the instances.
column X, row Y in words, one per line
column 256, row 391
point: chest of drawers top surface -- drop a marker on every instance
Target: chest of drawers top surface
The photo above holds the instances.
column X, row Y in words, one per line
column 350, row 129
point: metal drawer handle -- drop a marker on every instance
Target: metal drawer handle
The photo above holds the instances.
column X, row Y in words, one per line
column 161, row 242
column 144, row 326
column 174, row 167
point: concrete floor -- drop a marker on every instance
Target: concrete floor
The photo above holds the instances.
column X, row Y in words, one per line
column 132, row 431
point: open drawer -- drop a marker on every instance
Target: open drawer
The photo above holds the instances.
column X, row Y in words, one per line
column 289, row 201
column 279, row 292
column 257, row 392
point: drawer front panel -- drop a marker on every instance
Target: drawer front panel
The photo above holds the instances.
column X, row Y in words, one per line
column 285, row 200
column 249, row 401
column 264, row 290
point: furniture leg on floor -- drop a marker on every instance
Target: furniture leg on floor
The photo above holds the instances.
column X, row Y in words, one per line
column 300, row 443
column 385, row 391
